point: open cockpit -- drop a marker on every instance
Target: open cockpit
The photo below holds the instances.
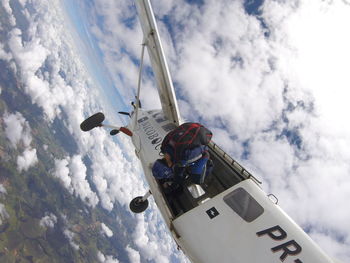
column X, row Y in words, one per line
column 225, row 174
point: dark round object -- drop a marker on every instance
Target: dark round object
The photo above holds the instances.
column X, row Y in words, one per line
column 92, row 122
column 137, row 205
column 114, row 132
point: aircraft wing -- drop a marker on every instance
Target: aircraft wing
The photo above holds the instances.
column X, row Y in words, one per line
column 158, row 61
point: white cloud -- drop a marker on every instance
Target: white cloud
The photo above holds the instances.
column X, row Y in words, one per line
column 48, row 66
column 152, row 238
column 100, row 257
column 62, row 172
column 113, row 40
column 79, row 182
column 2, row 190
column 27, row 159
column 116, row 179
column 70, row 236
column 3, row 54
column 38, row 88
column 236, row 87
column 48, row 220
column 72, row 173
column 134, row 256
column 335, row 248
column 106, row 259
column 30, row 56
column 3, row 213
column 22, row 2
column 57, row 81
column 106, row 230
column 8, row 10
column 316, row 53
column 111, row 259
column 17, row 129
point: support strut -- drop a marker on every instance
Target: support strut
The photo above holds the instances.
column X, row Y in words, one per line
column 139, row 82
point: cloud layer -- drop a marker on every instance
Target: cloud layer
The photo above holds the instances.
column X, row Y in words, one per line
column 47, row 62
column 27, row 159
column 106, row 230
column 70, row 236
column 3, row 213
column 72, row 172
column 17, row 129
column 18, row 132
column 48, row 220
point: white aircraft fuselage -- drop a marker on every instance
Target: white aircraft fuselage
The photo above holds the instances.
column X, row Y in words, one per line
column 233, row 221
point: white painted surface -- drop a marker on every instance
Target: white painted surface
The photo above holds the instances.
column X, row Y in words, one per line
column 229, row 238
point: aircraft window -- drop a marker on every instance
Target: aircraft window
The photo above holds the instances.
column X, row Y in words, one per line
column 244, row 204
column 169, row 127
column 159, row 120
column 142, row 119
column 159, row 117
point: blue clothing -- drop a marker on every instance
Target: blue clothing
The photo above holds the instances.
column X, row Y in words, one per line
column 194, row 163
column 192, row 155
column 161, row 170
column 200, row 169
column 197, row 170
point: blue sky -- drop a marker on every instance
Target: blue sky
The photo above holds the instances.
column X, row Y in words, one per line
column 91, row 54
